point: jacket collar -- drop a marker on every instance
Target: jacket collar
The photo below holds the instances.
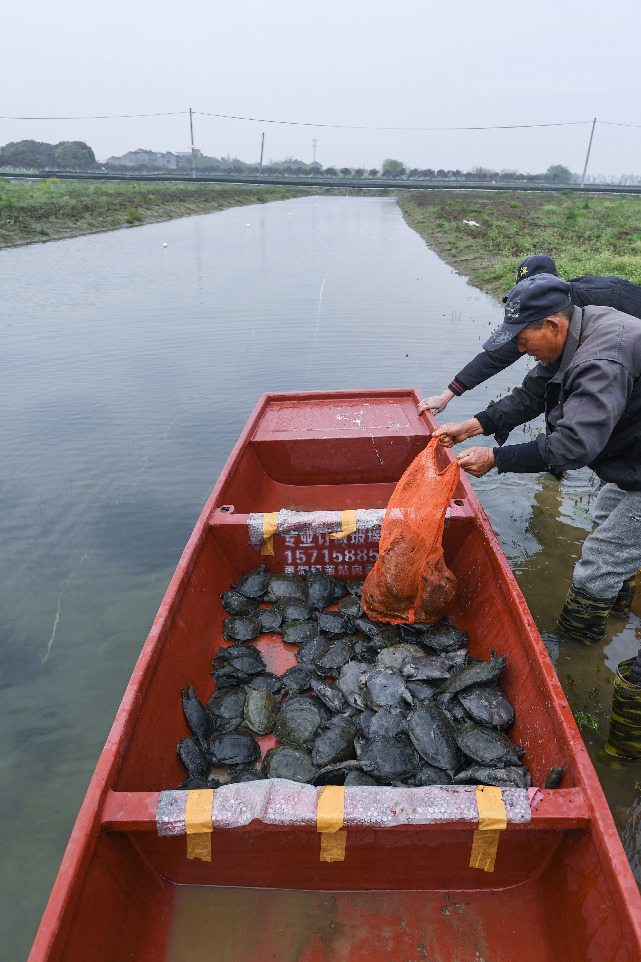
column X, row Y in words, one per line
column 572, row 340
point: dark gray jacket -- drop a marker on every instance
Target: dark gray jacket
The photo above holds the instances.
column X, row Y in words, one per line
column 591, row 398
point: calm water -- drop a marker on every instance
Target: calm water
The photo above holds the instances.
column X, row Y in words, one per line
column 128, row 372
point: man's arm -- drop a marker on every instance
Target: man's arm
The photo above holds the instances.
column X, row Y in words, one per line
column 521, row 405
column 483, row 366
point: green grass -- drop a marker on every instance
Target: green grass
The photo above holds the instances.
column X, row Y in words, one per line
column 585, row 233
column 48, row 209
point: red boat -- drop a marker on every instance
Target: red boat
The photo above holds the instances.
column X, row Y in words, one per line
column 561, row 887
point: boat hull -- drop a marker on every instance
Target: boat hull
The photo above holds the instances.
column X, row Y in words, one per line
column 561, row 886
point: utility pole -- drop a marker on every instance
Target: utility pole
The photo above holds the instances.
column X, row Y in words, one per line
column 193, row 156
column 588, row 153
column 262, row 145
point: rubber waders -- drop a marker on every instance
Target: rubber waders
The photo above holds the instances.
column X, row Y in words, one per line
column 623, row 601
column 625, row 721
column 584, row 616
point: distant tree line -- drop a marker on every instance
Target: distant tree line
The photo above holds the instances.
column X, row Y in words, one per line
column 76, row 155
column 37, row 155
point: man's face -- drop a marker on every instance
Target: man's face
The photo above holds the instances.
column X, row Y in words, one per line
column 547, row 343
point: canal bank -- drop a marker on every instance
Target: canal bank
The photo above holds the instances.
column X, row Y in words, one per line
column 35, row 211
column 485, row 234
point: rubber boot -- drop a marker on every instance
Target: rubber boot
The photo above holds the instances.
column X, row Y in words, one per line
column 624, row 739
column 623, row 601
column 584, row 616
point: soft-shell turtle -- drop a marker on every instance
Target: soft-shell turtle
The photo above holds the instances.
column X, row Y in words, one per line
column 434, row 667
column 350, row 607
column 198, row 718
column 295, row 679
column 285, row 586
column 421, row 691
column 241, row 627
column 510, row 777
column 236, row 603
column 397, row 655
column 193, row 757
column 386, row 759
column 260, row 710
column 487, row 746
column 443, row 636
column 308, row 651
column 199, row 781
column 254, row 584
column 333, row 624
column 233, row 748
column 477, row 673
column 265, row 680
column 319, row 589
column 284, row 761
column 385, row 636
column 226, row 707
column 332, row 656
column 270, row 620
column 340, row 588
column 359, row 779
column 355, row 587
column 297, row 722
column 299, row 632
column 330, row 695
column 332, row 746
column 294, row 609
column 386, row 722
column 247, row 775
column 429, row 775
column 239, row 663
column 348, row 683
column 555, row 777
column 366, row 625
column 364, row 650
column 385, row 688
column 487, row 705
column 434, row 737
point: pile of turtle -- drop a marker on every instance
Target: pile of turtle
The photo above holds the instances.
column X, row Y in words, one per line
column 368, row 703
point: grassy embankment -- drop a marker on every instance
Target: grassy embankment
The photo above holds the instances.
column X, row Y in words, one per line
column 584, row 233
column 45, row 210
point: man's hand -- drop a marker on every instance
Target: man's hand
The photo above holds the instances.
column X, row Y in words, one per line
column 477, row 461
column 437, row 403
column 451, row 434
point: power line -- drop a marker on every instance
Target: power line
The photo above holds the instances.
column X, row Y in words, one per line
column 309, row 123
column 301, row 123
column 166, row 113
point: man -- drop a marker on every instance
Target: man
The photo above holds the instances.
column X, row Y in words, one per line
column 588, row 384
column 584, row 291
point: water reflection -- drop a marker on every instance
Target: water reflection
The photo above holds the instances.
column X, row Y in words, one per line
column 129, row 370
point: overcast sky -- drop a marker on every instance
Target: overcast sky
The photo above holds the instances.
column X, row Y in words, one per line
column 339, row 62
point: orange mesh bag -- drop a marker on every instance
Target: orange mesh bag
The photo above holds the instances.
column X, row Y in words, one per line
column 410, row 580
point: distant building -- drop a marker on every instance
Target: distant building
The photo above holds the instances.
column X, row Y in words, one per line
column 146, row 158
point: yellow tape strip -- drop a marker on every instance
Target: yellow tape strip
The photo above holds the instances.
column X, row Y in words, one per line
column 329, row 822
column 198, row 823
column 269, row 529
column 348, row 524
column 492, row 821
column 333, row 846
